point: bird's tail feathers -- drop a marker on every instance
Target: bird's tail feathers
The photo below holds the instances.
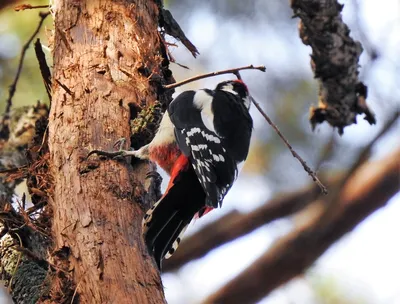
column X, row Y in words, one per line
column 165, row 223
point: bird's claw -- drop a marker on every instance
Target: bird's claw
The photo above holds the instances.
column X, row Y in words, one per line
column 120, row 143
column 153, row 174
column 120, row 154
column 154, row 192
column 109, row 154
column 157, row 179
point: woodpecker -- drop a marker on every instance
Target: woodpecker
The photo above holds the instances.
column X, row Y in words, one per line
column 202, row 139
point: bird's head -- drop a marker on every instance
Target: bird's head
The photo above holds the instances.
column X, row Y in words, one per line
column 238, row 88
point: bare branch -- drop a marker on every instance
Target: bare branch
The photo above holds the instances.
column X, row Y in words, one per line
column 23, row 7
column 13, row 86
column 362, row 158
column 334, row 61
column 235, row 224
column 370, row 187
column 172, row 28
column 198, row 77
column 294, row 153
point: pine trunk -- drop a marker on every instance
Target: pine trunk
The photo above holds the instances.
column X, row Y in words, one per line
column 101, row 49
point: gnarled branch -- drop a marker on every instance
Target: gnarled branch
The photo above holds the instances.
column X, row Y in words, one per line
column 334, row 61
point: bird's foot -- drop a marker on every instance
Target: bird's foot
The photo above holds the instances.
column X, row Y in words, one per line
column 120, row 154
column 120, row 143
column 155, row 176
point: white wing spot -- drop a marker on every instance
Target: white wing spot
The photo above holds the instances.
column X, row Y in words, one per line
column 193, row 131
column 211, row 137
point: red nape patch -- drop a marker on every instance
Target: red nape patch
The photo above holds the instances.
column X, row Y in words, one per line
column 203, row 211
column 181, row 164
column 241, row 82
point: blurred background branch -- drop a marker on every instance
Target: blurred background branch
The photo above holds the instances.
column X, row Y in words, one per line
column 235, row 224
column 6, row 3
column 368, row 189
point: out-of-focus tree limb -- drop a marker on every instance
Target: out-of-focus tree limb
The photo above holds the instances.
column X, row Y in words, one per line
column 370, row 187
column 5, row 3
column 334, row 60
column 235, row 224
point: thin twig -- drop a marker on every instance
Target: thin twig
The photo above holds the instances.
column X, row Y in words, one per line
column 65, row 88
column 23, row 7
column 294, row 153
column 76, row 290
column 13, row 170
column 198, row 77
column 13, row 86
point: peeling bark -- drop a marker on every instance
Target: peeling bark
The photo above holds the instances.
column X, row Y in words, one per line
column 104, row 52
column 334, row 60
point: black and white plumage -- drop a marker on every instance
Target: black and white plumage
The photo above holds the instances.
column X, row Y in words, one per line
column 203, row 137
column 214, row 132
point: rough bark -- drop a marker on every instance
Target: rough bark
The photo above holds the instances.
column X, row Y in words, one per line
column 334, row 60
column 101, row 50
column 370, row 187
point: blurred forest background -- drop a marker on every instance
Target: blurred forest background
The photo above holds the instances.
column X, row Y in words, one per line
column 361, row 268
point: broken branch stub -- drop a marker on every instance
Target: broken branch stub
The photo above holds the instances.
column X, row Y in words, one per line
column 334, row 61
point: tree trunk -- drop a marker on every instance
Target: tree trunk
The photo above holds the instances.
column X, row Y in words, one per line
column 100, row 50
